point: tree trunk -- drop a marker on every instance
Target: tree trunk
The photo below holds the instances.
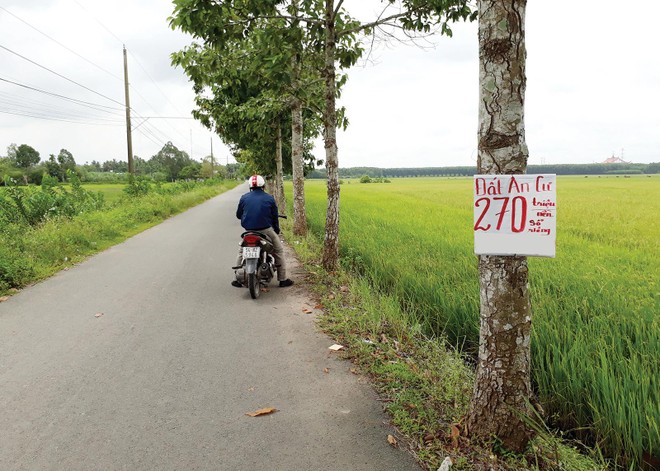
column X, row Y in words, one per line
column 299, row 216
column 502, row 387
column 279, row 176
column 331, row 240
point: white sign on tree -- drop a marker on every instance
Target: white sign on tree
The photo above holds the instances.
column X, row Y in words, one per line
column 515, row 215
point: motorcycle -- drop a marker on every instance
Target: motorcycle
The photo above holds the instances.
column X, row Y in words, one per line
column 258, row 267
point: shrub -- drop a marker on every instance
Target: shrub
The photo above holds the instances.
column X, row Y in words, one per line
column 33, row 205
column 15, row 269
column 137, row 186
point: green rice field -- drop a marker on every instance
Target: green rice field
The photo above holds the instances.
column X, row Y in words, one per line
column 596, row 341
column 112, row 192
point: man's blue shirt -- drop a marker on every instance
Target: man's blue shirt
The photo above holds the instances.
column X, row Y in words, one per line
column 258, row 210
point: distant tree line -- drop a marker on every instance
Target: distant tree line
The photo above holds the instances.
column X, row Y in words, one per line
column 464, row 171
column 24, row 165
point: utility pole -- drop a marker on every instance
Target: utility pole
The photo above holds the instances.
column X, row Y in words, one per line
column 212, row 172
column 129, row 138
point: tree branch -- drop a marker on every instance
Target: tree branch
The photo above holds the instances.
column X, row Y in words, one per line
column 373, row 24
column 336, row 12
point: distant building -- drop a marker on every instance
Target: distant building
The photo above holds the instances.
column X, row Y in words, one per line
column 615, row 160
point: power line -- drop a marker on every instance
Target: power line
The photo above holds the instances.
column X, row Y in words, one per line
column 50, row 118
column 74, row 100
column 134, row 88
column 46, row 113
column 152, row 139
column 62, row 45
column 160, row 135
column 138, row 62
column 59, row 75
column 21, row 105
column 51, row 110
column 151, row 131
column 154, row 82
column 154, row 108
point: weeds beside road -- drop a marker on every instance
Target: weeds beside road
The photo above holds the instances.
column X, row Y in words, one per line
column 43, row 230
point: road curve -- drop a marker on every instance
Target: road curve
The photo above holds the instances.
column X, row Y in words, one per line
column 145, row 358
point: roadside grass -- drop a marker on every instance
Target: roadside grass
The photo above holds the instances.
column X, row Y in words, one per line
column 425, row 387
column 29, row 254
column 596, row 326
column 114, row 192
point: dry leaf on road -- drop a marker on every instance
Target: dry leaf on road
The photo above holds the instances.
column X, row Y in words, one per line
column 391, row 440
column 3, row 298
column 264, row 411
column 326, row 370
column 455, row 433
column 307, row 311
column 98, row 314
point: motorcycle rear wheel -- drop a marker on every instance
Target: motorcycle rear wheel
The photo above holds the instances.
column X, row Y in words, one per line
column 253, row 285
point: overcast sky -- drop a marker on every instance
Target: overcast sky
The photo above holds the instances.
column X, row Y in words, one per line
column 593, row 87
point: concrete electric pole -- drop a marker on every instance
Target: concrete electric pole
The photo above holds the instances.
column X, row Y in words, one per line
column 129, row 138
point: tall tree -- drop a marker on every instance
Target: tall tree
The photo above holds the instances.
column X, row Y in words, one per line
column 66, row 163
column 502, row 387
column 280, row 198
column 331, row 235
column 116, row 166
column 171, row 160
column 26, row 156
column 234, row 96
column 297, row 162
column 52, row 167
column 11, row 153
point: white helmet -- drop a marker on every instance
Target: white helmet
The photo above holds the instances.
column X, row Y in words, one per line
column 256, row 181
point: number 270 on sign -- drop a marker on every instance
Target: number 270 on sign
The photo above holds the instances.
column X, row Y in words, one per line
column 504, row 213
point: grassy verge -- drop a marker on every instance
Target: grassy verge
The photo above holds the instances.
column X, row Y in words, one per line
column 424, row 387
column 113, row 193
column 29, row 254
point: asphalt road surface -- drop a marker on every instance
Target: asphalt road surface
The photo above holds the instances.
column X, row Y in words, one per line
column 145, row 358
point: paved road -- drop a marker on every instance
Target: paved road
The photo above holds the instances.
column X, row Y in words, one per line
column 163, row 379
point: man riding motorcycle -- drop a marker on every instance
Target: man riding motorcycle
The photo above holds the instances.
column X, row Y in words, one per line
column 258, row 211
